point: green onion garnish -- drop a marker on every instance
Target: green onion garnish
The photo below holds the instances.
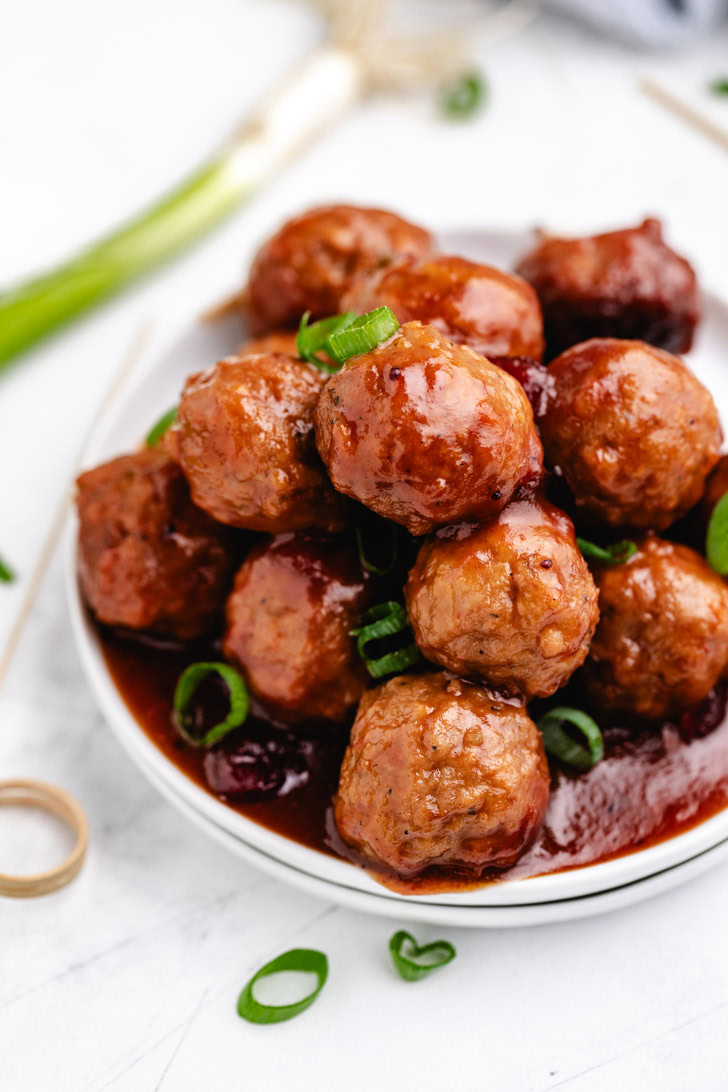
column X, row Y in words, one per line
column 165, row 422
column 562, row 746
column 307, row 960
column 384, row 620
column 414, row 962
column 185, row 690
column 6, row 573
column 312, row 340
column 370, row 566
column 716, row 540
column 362, row 334
column 719, row 86
column 616, row 554
column 464, row 96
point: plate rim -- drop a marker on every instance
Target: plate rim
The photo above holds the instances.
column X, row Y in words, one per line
column 581, row 881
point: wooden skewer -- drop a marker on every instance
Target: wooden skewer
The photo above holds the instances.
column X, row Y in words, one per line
column 686, row 113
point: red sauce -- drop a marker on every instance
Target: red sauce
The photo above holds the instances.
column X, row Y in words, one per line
column 653, row 783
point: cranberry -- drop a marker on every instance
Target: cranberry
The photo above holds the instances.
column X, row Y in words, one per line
column 533, row 377
column 703, row 718
column 257, row 761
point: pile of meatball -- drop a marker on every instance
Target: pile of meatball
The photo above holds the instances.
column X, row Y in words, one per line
column 242, row 521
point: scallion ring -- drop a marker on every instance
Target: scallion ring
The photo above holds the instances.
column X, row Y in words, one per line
column 413, row 961
column 370, row 566
column 362, row 334
column 616, row 554
column 464, row 96
column 313, row 339
column 562, row 746
column 716, row 540
column 187, row 685
column 381, row 621
column 164, row 423
column 384, row 620
column 393, row 662
column 7, row 576
column 719, row 86
column 307, row 960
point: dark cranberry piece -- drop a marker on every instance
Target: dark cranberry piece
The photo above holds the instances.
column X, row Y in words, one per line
column 257, row 762
column 533, row 377
column 706, row 716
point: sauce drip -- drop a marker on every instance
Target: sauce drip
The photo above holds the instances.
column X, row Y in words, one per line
column 653, row 783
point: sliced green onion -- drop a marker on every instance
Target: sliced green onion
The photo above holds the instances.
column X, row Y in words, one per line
column 307, row 960
column 384, row 620
column 313, row 339
column 393, row 662
column 39, row 306
column 165, row 422
column 413, row 961
column 716, row 540
column 362, row 334
column 377, row 570
column 381, row 621
column 562, row 746
column 719, row 86
column 616, row 554
column 464, row 96
column 185, row 690
column 6, row 573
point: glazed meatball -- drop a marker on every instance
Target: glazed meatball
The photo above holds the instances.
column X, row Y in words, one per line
column 315, row 258
column 288, row 621
column 471, row 304
column 662, row 640
column 425, row 432
column 715, row 487
column 511, row 601
column 280, row 341
column 632, row 430
column 244, row 439
column 440, row 773
column 626, row 284
column 148, row 559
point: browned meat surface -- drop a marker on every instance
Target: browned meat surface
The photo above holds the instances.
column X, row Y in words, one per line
column 315, row 258
column 148, row 558
column 244, row 439
column 662, row 640
column 627, row 284
column 510, row 601
column 425, row 432
column 441, row 773
column 632, row 430
column 288, row 621
column 471, row 304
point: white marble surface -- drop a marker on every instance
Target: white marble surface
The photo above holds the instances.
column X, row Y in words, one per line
column 128, row 978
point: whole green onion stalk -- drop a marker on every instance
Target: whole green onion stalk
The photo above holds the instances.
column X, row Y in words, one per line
column 360, row 54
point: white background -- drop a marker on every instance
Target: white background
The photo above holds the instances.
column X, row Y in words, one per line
column 128, row 978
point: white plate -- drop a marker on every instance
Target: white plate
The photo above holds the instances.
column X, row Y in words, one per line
column 159, row 381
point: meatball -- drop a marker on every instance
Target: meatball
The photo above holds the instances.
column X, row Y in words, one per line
column 662, row 640
column 440, row 773
column 280, row 341
column 511, row 601
column 425, row 432
column 244, row 439
column 626, row 284
column 715, row 487
column 315, row 258
column 632, row 430
column 148, row 559
column 471, row 304
column 288, row 621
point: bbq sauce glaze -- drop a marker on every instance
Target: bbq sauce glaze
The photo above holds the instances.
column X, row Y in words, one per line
column 654, row 782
